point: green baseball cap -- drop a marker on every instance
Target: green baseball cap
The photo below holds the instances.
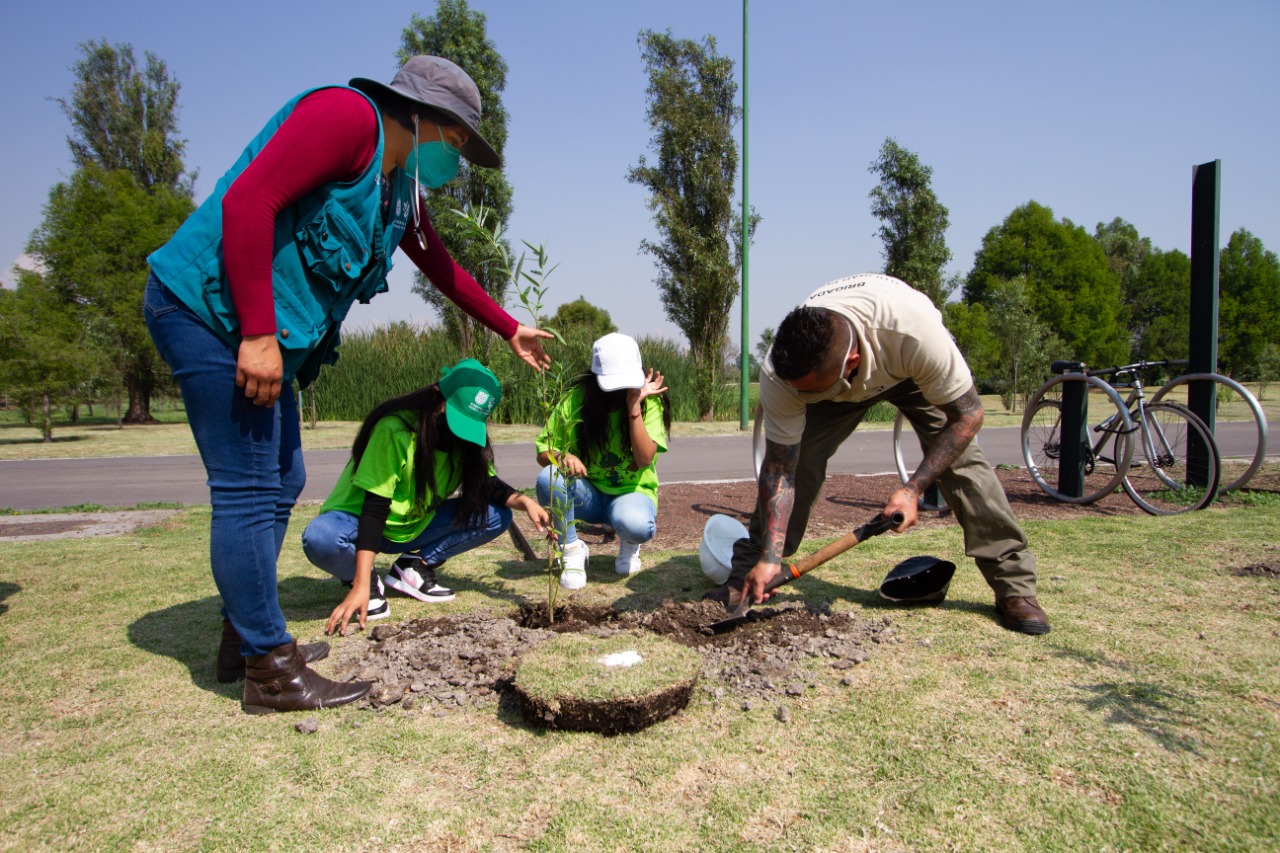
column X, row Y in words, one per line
column 471, row 392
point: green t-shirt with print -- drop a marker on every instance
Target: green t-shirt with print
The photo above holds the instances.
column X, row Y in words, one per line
column 386, row 469
column 613, row 471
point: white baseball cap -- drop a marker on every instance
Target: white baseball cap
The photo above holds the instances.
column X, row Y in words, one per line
column 615, row 360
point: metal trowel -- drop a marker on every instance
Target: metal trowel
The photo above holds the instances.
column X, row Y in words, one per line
column 877, row 525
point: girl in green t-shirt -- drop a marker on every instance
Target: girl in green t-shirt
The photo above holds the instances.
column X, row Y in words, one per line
column 606, row 436
column 411, row 453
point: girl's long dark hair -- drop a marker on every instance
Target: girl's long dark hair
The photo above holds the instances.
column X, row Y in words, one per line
column 433, row 433
column 597, row 404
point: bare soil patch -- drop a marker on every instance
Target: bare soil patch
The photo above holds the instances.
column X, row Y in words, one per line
column 782, row 651
column 469, row 660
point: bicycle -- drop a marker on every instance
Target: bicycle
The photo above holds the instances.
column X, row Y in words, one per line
column 1240, row 403
column 1179, row 468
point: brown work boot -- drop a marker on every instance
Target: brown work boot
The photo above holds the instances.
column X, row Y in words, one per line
column 1022, row 613
column 281, row 681
column 230, row 665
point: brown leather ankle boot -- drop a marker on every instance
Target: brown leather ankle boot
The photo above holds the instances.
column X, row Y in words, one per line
column 281, row 681
column 230, row 665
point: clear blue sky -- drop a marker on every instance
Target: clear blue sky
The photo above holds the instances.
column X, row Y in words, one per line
column 1096, row 109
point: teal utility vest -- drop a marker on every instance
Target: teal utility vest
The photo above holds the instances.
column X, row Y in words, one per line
column 331, row 248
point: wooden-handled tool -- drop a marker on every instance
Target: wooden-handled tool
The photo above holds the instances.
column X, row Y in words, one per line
column 877, row 525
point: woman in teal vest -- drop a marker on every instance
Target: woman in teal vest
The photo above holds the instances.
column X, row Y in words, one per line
column 250, row 293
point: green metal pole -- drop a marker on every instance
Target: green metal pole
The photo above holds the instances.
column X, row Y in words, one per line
column 745, row 354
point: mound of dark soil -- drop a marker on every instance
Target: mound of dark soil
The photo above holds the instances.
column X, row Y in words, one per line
column 460, row 661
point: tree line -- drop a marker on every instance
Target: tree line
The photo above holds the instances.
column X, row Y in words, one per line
column 1043, row 288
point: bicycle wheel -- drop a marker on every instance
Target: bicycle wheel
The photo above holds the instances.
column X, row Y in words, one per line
column 1106, row 454
column 1164, row 482
column 906, row 460
column 1246, row 449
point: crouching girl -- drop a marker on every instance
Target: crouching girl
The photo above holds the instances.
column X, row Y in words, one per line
column 606, row 437
column 410, row 455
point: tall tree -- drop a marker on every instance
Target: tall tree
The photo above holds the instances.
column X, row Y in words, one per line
column 93, row 243
column 1249, row 281
column 581, row 319
column 1125, row 250
column 1025, row 345
column 692, row 115
column 913, row 222
column 1158, row 306
column 46, row 355
column 970, row 326
column 458, row 33
column 1068, row 282
column 126, row 117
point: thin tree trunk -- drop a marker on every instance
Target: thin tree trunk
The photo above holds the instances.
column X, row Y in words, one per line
column 46, row 423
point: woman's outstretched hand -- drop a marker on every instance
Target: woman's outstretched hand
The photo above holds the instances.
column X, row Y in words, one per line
column 355, row 604
column 526, row 343
column 651, row 388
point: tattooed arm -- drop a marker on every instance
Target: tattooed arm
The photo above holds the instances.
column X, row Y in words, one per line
column 964, row 419
column 775, row 496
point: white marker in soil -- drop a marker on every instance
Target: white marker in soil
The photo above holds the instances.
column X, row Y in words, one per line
column 628, row 658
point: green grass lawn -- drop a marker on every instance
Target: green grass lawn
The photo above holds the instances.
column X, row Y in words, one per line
column 1149, row 719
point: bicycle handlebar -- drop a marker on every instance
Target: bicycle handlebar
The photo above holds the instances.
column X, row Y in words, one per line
column 1079, row 367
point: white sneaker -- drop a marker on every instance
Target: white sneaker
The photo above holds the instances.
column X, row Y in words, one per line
column 573, row 568
column 410, row 575
column 628, row 561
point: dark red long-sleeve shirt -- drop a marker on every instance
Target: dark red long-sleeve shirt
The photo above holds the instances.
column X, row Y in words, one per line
column 331, row 135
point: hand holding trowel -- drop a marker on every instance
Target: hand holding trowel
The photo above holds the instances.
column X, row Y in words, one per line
column 877, row 525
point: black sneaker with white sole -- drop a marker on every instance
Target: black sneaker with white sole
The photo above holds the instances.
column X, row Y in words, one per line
column 378, row 608
column 410, row 575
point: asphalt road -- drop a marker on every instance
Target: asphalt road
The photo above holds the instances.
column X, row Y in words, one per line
column 129, row 481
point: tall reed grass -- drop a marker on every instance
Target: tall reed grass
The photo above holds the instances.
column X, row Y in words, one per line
column 384, row 362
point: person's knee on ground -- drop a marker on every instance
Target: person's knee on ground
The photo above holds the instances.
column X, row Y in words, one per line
column 329, row 543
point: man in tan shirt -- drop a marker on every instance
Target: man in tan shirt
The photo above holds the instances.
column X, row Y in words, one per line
column 852, row 343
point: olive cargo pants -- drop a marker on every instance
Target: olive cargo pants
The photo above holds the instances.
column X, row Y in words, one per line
column 992, row 536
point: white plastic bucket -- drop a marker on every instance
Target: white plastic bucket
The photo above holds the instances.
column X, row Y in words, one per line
column 716, row 551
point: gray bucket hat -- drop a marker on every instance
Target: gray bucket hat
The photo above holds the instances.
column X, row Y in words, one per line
column 919, row 580
column 440, row 84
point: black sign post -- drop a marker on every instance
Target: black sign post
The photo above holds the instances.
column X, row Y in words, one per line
column 1206, row 182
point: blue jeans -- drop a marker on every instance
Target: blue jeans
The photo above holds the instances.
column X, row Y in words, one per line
column 633, row 515
column 253, row 456
column 330, row 540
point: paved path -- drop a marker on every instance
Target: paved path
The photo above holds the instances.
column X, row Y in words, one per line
column 128, row 481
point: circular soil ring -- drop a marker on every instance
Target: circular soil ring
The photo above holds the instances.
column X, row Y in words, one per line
column 612, row 684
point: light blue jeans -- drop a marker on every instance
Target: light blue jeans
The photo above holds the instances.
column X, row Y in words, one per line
column 633, row 515
column 330, row 540
column 253, row 456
